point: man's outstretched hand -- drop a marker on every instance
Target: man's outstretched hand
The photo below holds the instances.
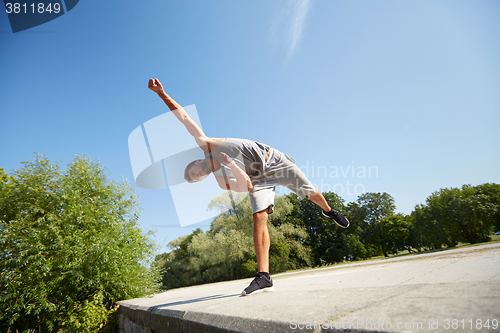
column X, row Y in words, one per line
column 155, row 85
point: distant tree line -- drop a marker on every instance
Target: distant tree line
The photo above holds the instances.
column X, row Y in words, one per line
column 302, row 237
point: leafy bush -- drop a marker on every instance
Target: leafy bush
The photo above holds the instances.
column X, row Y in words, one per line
column 69, row 247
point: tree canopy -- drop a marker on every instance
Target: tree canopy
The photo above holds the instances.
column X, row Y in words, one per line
column 69, row 247
column 466, row 214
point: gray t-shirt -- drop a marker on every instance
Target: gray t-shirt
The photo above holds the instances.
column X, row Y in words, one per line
column 249, row 155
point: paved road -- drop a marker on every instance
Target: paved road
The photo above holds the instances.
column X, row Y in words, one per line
column 449, row 291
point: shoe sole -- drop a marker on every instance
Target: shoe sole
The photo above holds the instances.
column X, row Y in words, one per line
column 348, row 223
column 243, row 293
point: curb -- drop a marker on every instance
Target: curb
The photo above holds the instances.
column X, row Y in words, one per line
column 157, row 320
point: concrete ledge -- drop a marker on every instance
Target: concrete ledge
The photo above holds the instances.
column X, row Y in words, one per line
column 174, row 321
column 420, row 293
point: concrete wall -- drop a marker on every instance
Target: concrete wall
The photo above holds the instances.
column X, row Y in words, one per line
column 155, row 320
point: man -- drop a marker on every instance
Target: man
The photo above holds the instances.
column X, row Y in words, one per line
column 248, row 166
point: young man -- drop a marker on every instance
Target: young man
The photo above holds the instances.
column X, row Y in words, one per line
column 248, row 166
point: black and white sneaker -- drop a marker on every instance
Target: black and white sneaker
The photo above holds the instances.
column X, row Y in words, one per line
column 259, row 284
column 340, row 219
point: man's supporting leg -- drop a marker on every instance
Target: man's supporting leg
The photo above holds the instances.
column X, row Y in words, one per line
column 319, row 200
column 261, row 240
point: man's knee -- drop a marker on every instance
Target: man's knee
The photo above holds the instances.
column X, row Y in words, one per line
column 316, row 192
column 261, row 213
column 261, row 216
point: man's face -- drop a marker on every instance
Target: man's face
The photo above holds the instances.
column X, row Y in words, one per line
column 199, row 171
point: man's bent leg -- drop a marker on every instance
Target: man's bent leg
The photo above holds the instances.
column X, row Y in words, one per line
column 295, row 179
column 261, row 240
column 319, row 200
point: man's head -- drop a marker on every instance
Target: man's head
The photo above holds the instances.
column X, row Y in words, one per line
column 197, row 170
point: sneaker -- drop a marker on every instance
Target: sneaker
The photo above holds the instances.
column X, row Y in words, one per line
column 340, row 219
column 259, row 284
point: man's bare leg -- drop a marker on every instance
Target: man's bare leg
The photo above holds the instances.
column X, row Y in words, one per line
column 261, row 240
column 319, row 200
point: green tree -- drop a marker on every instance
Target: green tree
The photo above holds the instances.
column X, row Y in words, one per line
column 491, row 192
column 69, row 247
column 395, row 231
column 376, row 206
column 6, row 183
column 426, row 230
column 179, row 270
column 326, row 240
column 453, row 215
column 467, row 215
column 373, row 208
column 364, row 249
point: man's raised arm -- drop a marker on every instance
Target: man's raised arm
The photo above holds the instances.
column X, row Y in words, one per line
column 178, row 111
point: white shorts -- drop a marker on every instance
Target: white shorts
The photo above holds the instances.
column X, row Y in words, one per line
column 280, row 169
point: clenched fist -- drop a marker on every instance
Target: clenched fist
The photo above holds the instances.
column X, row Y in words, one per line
column 155, row 85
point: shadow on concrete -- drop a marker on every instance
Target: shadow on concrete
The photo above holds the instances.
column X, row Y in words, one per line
column 194, row 300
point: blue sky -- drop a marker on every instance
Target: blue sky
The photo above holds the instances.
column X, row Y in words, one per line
column 407, row 89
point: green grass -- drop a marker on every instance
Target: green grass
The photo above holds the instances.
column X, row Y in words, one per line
column 494, row 239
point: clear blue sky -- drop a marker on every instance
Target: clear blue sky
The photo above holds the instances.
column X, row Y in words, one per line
column 409, row 88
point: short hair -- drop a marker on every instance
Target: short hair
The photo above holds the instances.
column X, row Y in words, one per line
column 187, row 177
